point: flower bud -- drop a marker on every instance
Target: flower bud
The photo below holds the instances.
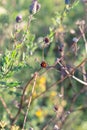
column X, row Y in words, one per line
column 67, row 1
column 38, row 6
column 34, row 7
column 46, row 40
column 19, row 19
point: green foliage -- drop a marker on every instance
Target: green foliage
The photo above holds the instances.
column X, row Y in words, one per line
column 21, row 56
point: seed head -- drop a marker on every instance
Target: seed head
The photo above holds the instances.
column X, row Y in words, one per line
column 46, row 40
column 38, row 6
column 34, row 7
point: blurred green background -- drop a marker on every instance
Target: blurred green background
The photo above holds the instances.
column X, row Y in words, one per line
column 42, row 109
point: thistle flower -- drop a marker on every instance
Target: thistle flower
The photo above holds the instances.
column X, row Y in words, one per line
column 34, row 7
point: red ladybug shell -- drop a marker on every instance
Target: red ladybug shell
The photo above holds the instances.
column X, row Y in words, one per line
column 43, row 64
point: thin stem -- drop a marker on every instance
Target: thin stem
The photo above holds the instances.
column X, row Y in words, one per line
column 79, row 80
column 6, row 108
column 22, row 99
column 49, row 122
column 74, row 77
column 29, row 101
column 84, row 38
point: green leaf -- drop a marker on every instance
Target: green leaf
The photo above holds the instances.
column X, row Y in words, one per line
column 13, row 84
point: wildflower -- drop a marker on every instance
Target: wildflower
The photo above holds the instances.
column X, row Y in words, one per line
column 34, row 7
column 41, row 84
column 53, row 93
column 63, row 103
column 42, row 80
column 19, row 19
column 39, row 113
column 38, row 6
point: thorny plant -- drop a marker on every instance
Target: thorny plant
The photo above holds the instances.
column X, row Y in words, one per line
column 16, row 59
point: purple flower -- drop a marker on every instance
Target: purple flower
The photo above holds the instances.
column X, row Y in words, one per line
column 19, row 19
column 67, row 1
column 38, row 7
column 34, row 7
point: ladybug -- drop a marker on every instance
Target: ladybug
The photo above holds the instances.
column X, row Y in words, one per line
column 43, row 64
